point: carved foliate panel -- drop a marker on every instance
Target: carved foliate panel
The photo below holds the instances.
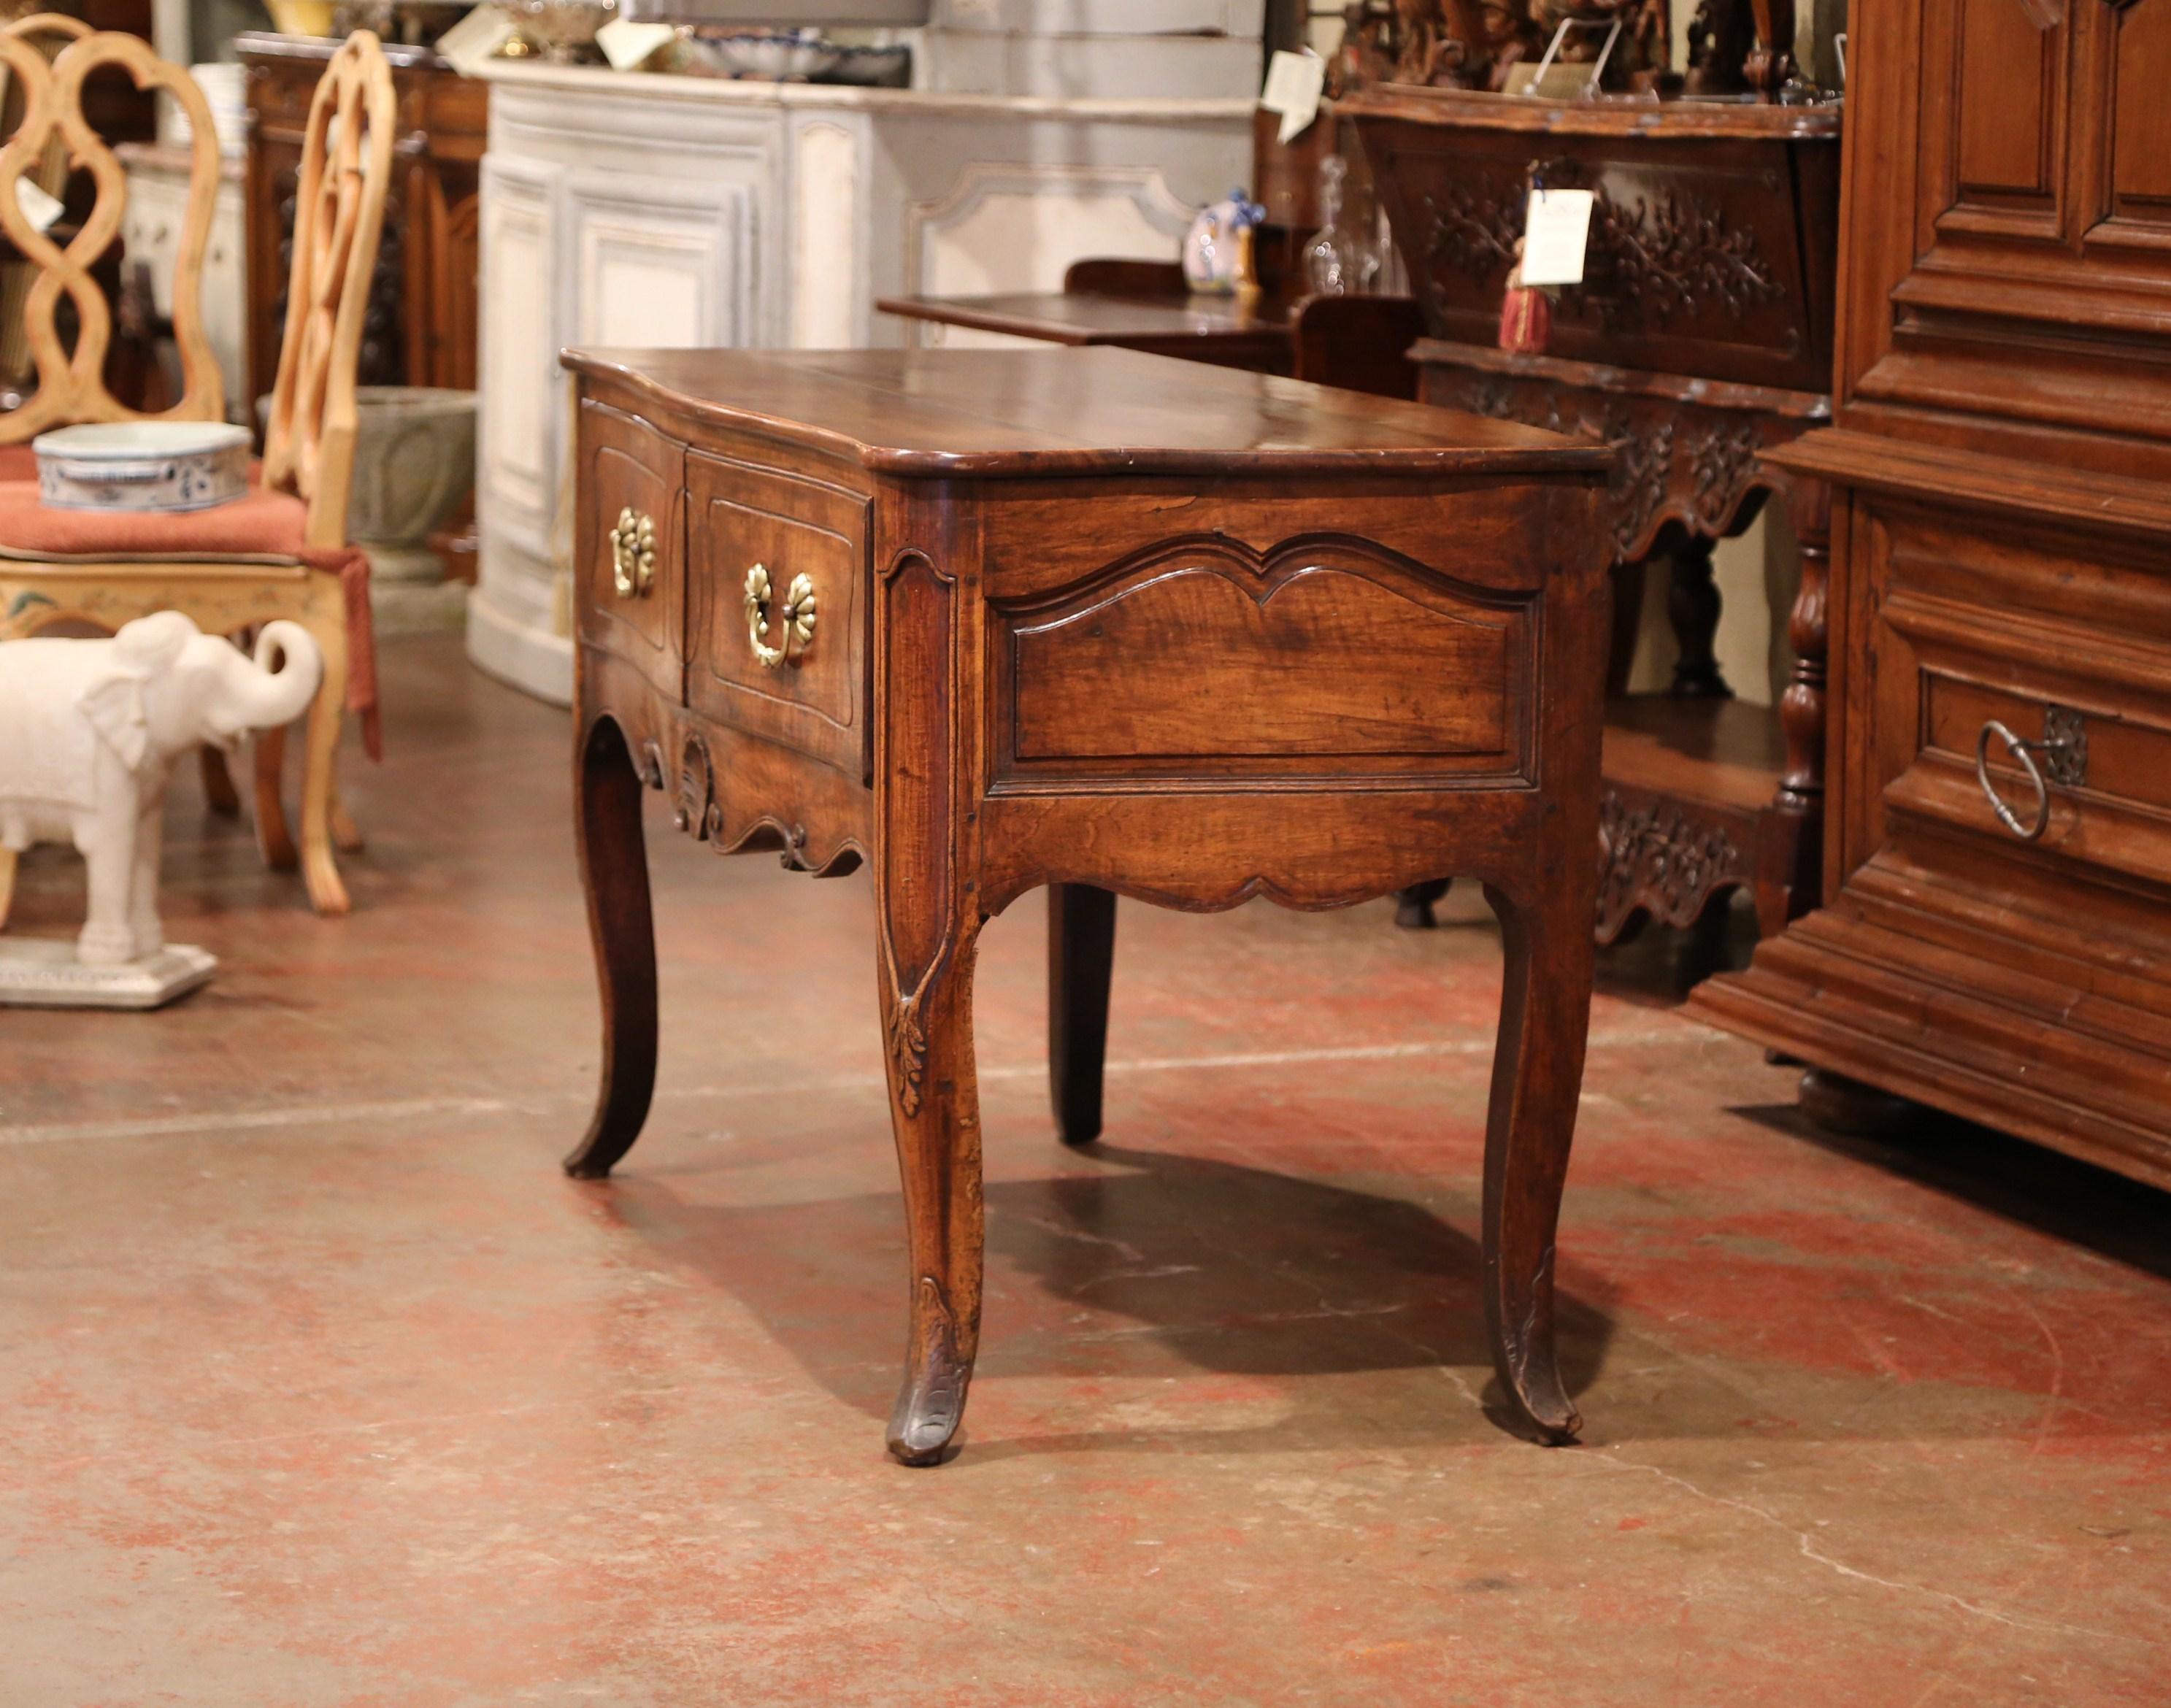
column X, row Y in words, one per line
column 1683, row 465
column 1658, row 859
column 1714, row 260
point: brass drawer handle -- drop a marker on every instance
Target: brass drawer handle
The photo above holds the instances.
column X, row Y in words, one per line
column 797, row 616
column 2064, row 750
column 633, row 554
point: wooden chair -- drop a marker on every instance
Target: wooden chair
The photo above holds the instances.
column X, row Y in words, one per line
column 282, row 551
column 52, row 136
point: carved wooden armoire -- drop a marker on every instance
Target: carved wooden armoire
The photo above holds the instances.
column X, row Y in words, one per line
column 1995, row 936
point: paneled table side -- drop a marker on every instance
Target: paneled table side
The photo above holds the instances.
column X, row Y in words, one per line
column 986, row 620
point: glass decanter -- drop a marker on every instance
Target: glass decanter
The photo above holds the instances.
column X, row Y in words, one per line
column 1331, row 266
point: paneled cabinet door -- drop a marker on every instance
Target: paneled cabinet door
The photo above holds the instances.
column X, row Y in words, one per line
column 2124, row 171
column 2040, row 134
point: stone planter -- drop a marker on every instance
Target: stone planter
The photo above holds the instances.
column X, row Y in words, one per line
column 414, row 462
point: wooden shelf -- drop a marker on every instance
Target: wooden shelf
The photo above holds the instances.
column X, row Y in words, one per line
column 1719, row 753
column 1692, row 810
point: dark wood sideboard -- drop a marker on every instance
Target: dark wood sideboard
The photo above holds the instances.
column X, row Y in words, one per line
column 2001, row 595
column 421, row 324
column 1700, row 340
column 988, row 620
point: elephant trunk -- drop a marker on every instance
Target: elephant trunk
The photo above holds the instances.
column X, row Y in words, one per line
column 269, row 700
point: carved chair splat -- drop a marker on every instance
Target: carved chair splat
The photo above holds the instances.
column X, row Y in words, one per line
column 71, row 382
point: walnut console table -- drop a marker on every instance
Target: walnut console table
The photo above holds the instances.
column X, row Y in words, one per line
column 986, row 620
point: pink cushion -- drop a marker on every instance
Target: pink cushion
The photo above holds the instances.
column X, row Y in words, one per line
column 17, row 462
column 262, row 524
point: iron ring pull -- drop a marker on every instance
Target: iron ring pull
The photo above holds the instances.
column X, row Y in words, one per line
column 2024, row 753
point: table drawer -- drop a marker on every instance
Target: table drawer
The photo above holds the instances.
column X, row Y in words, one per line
column 629, row 560
column 758, row 541
column 1204, row 658
column 1998, row 660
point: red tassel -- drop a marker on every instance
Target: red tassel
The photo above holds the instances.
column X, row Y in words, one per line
column 1526, row 320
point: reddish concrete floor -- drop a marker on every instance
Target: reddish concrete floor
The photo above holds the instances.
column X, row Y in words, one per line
column 323, row 1388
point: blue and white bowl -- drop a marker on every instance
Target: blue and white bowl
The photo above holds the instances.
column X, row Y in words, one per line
column 142, row 465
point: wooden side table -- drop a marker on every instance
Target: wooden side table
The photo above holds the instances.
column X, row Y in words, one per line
column 1700, row 339
column 987, row 620
column 1359, row 342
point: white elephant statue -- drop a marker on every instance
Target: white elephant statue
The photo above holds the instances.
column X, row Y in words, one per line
column 90, row 731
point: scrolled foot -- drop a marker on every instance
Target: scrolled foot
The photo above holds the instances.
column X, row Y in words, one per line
column 932, row 1403
column 1538, row 1405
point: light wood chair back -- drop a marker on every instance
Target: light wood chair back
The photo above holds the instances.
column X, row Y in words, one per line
column 71, row 384
column 49, row 32
column 339, row 214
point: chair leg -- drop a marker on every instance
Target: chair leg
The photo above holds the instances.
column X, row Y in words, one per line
column 319, row 774
column 274, row 841
column 218, row 787
column 346, row 834
column 7, row 884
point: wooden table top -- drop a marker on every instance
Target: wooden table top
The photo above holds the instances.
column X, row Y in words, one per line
column 1090, row 318
column 1055, row 411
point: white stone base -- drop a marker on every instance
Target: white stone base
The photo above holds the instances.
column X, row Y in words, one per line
column 529, row 658
column 418, row 608
column 43, row 972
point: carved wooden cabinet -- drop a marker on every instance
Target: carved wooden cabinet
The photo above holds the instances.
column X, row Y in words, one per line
column 1996, row 935
column 421, row 326
column 1700, row 339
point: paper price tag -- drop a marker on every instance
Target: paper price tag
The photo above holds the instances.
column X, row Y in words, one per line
column 472, row 43
column 627, row 45
column 39, row 208
column 1555, row 235
column 1295, row 84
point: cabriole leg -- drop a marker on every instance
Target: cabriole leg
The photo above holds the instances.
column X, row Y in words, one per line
column 614, row 877
column 1537, row 1081
column 934, row 1111
column 1081, row 951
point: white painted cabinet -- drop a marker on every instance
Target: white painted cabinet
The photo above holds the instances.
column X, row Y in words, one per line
column 151, row 226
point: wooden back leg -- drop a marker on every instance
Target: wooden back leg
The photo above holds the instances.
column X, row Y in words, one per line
column 219, row 792
column 1081, row 952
